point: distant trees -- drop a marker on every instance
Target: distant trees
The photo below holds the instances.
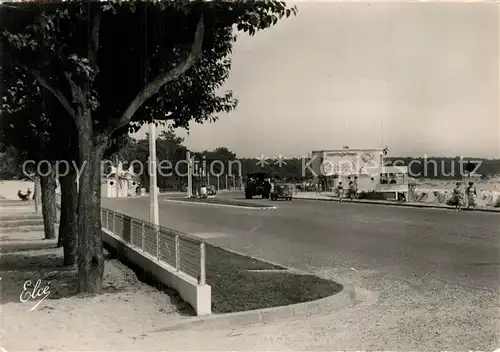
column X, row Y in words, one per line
column 223, row 161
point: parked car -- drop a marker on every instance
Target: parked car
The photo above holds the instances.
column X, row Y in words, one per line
column 211, row 191
column 281, row 191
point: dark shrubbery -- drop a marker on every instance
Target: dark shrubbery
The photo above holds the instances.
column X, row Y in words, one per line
column 372, row 195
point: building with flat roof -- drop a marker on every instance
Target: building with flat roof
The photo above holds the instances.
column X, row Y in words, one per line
column 362, row 166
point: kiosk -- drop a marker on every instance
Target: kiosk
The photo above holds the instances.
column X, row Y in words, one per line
column 365, row 167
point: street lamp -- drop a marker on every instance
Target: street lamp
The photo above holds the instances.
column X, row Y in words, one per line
column 153, row 184
column 190, row 174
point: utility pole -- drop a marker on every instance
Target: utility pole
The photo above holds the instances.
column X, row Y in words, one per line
column 117, row 178
column 190, row 175
column 153, row 184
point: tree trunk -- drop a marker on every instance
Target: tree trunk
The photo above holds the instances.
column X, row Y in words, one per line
column 68, row 225
column 37, row 195
column 90, row 249
column 49, row 210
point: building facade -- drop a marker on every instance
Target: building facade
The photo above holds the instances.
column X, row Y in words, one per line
column 365, row 167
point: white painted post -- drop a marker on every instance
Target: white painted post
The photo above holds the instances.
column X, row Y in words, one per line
column 177, row 254
column 153, row 184
column 202, row 264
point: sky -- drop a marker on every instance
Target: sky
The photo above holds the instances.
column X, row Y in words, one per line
column 420, row 78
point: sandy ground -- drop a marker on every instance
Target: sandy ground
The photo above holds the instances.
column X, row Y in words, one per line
column 125, row 312
column 9, row 188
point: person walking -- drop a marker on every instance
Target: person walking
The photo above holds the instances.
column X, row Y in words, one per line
column 458, row 197
column 471, row 196
column 352, row 190
column 340, row 192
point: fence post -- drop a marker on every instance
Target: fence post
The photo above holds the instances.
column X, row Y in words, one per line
column 202, row 264
column 142, row 235
column 177, row 254
column 131, row 231
column 157, row 230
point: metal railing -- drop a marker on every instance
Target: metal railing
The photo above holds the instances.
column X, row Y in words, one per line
column 182, row 252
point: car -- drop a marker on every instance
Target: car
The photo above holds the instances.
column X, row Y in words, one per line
column 211, row 190
column 281, row 191
column 257, row 184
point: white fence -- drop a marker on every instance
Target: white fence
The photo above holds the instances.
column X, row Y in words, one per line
column 180, row 251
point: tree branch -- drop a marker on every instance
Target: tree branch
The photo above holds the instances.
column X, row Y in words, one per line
column 155, row 85
column 94, row 40
column 58, row 94
column 76, row 91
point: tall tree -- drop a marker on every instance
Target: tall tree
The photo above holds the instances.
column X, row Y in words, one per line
column 118, row 65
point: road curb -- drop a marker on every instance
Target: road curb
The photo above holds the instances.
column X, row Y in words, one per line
column 220, row 205
column 430, row 206
column 343, row 299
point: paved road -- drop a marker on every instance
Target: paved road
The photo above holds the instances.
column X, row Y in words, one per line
column 437, row 271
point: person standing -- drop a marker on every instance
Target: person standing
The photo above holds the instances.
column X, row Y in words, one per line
column 340, row 192
column 203, row 191
column 471, row 196
column 458, row 197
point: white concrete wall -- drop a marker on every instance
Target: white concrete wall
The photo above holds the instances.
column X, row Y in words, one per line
column 199, row 296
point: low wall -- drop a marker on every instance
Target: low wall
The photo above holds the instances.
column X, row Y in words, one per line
column 199, row 296
column 484, row 198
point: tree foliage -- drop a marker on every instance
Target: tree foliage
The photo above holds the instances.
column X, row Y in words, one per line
column 136, row 42
column 113, row 66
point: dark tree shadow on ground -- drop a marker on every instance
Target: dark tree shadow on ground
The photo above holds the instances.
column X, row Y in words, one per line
column 41, row 261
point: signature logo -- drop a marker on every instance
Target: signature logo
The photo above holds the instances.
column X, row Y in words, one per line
column 34, row 292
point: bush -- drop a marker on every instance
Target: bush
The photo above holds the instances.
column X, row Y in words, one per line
column 372, row 195
column 497, row 203
column 452, row 202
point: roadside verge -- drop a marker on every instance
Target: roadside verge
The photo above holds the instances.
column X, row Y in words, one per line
column 346, row 296
column 222, row 203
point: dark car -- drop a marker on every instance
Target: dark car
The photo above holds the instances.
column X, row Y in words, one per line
column 257, row 184
column 211, row 190
column 281, row 191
